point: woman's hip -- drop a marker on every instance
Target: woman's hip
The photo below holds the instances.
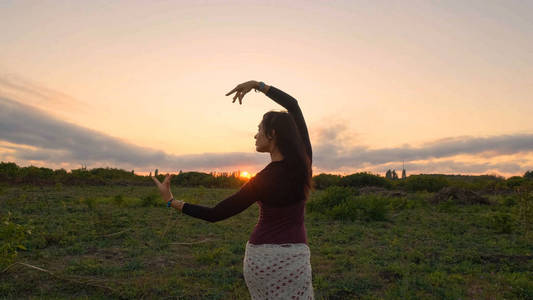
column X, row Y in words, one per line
column 276, row 270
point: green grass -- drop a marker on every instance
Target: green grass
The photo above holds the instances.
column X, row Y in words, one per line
column 112, row 242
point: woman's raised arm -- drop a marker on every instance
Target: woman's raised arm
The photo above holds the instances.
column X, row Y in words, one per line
column 289, row 103
column 283, row 99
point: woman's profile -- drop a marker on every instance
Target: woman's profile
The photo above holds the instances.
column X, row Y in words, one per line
column 276, row 262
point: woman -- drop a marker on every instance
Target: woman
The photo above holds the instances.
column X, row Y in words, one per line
column 277, row 258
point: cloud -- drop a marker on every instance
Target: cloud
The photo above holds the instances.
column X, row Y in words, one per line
column 450, row 166
column 22, row 90
column 56, row 141
column 330, row 155
column 34, row 136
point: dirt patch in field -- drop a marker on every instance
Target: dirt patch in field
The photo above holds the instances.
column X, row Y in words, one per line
column 390, row 276
column 497, row 258
column 458, row 196
column 381, row 191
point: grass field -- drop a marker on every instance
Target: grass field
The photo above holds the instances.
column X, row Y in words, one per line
column 122, row 242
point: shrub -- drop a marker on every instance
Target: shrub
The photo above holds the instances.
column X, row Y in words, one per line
column 364, row 179
column 509, row 200
column 515, row 181
column 524, row 209
column 459, row 196
column 118, row 199
column 501, row 222
column 13, row 236
column 150, row 200
column 345, row 203
column 448, row 205
column 331, row 197
column 90, row 202
column 398, row 203
column 365, row 208
column 429, row 183
column 323, row 181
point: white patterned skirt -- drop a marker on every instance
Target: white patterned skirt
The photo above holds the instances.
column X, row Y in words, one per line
column 278, row 271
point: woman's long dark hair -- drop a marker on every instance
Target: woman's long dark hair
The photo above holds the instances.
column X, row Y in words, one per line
column 291, row 146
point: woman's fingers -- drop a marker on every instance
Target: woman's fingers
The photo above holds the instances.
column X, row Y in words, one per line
column 236, row 96
column 156, row 180
column 240, row 90
column 236, row 88
column 239, row 95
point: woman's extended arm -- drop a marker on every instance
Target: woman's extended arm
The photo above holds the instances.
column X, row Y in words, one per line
column 228, row 207
column 234, row 204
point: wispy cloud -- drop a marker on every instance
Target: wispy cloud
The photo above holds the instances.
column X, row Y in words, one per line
column 331, row 154
column 451, row 166
column 54, row 141
column 22, row 90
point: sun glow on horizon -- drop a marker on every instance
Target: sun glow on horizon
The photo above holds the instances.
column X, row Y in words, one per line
column 246, row 175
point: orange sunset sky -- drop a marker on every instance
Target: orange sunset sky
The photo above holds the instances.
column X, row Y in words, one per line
column 444, row 86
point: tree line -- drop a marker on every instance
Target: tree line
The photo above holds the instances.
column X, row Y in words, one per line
column 12, row 174
column 424, row 182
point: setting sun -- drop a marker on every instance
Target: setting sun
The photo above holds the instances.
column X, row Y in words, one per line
column 245, row 175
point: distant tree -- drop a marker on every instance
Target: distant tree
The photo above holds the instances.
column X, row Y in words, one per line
column 156, row 172
column 515, row 181
column 529, row 174
column 426, row 182
column 363, row 179
column 388, row 175
column 394, row 175
column 403, row 174
column 322, row 181
column 8, row 171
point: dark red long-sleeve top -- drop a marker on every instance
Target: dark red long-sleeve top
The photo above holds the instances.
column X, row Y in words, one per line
column 281, row 218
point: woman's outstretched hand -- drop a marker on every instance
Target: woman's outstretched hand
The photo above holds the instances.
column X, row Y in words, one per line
column 242, row 89
column 164, row 187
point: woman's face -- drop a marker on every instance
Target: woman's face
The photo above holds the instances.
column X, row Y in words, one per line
column 262, row 142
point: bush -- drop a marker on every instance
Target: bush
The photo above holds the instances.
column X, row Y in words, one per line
column 459, row 196
column 515, row 181
column 509, row 200
column 150, row 200
column 429, row 183
column 118, row 199
column 364, row 179
column 365, row 208
column 345, row 203
column 90, row 202
column 399, row 203
column 323, row 181
column 524, row 209
column 331, row 197
column 501, row 222
column 447, row 206
column 13, row 236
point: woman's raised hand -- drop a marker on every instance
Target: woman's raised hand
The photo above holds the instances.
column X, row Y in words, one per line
column 164, row 187
column 242, row 89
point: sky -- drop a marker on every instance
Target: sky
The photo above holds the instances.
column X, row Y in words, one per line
column 438, row 86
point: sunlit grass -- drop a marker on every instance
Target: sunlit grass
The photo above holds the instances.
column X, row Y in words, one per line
column 107, row 242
